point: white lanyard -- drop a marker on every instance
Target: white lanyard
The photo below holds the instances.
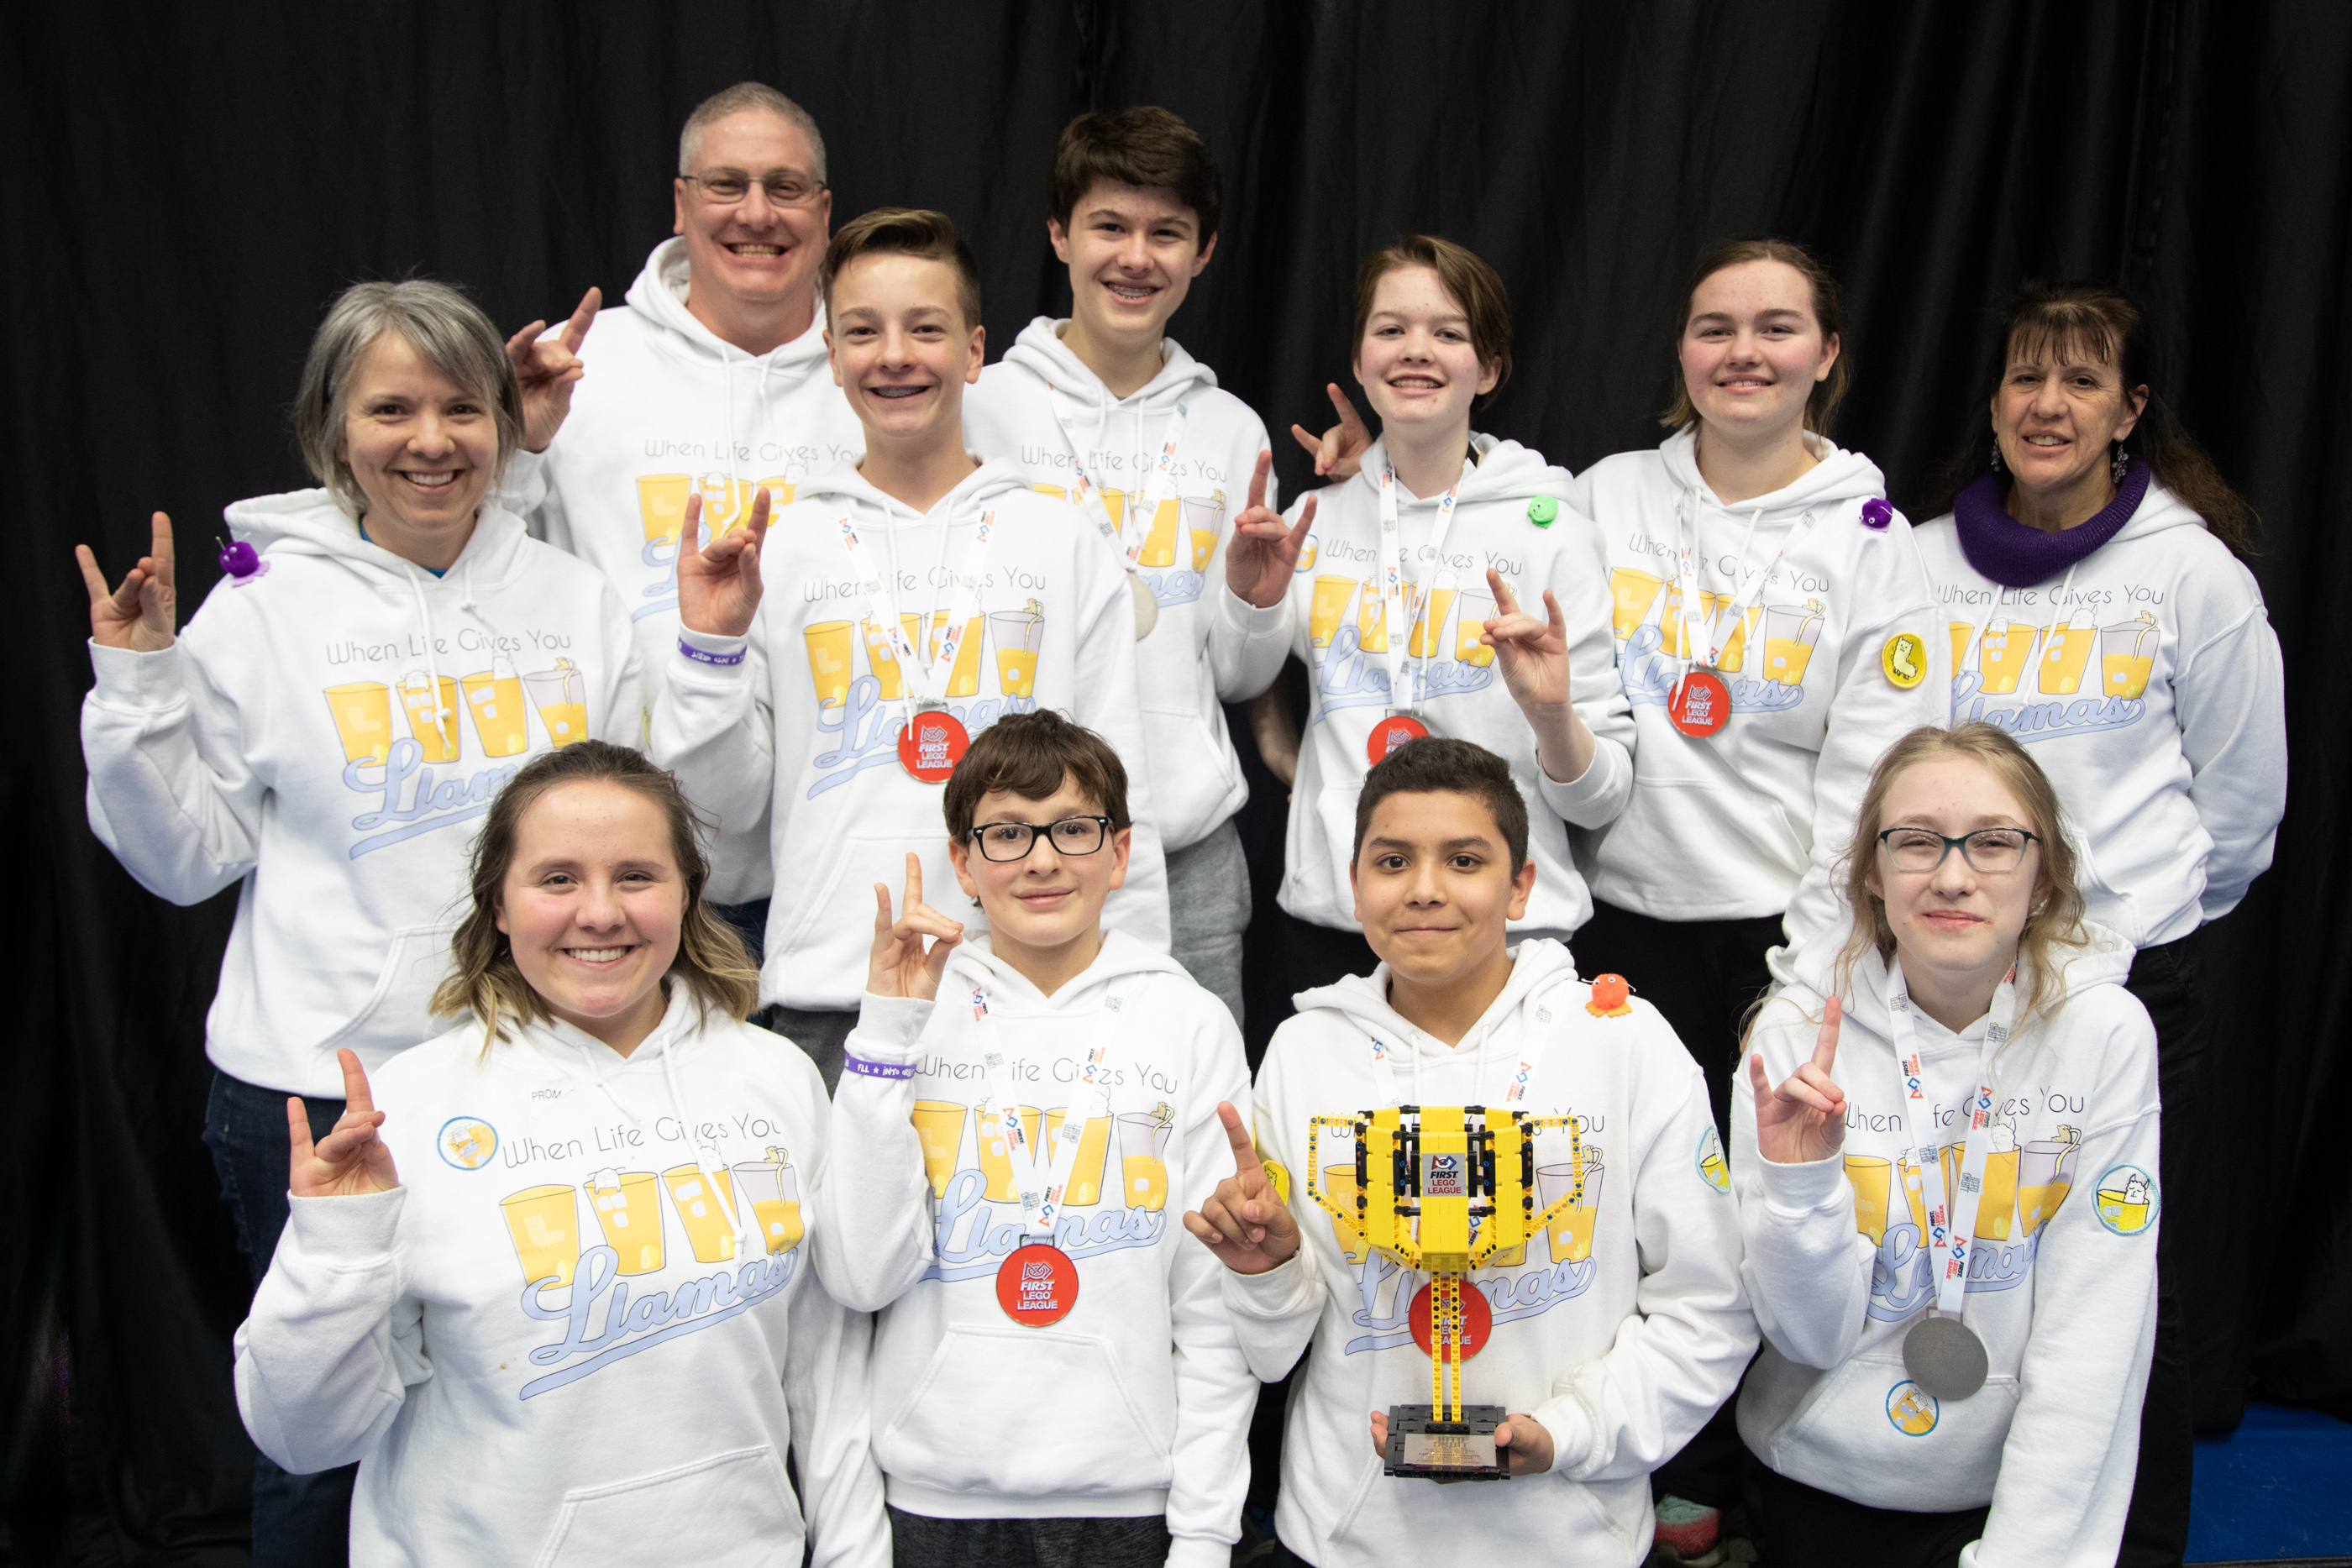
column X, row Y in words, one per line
column 882, row 606
column 1976, row 633
column 1040, row 1184
column 1949, row 1228
column 1698, row 630
column 1129, row 539
column 1396, row 620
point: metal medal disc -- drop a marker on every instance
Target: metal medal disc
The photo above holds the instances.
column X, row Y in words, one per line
column 1391, row 731
column 1945, row 1357
column 1147, row 606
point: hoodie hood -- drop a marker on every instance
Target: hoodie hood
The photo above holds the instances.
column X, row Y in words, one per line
column 660, row 292
column 984, row 483
column 1538, row 966
column 2105, row 960
column 1098, row 420
column 1838, row 475
column 975, row 963
column 314, row 523
column 1499, row 471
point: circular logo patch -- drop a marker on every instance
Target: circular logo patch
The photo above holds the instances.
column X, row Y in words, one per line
column 1477, row 1319
column 1037, row 1285
column 467, row 1141
column 1903, row 659
column 1712, row 1166
column 1390, row 733
column 2127, row 1200
column 1700, row 706
column 1911, row 1409
column 931, row 745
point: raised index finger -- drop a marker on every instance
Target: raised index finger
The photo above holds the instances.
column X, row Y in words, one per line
column 162, row 547
column 1257, row 480
column 914, row 880
column 355, row 1084
column 1506, row 602
column 1825, row 1048
column 576, row 329
column 1245, row 1160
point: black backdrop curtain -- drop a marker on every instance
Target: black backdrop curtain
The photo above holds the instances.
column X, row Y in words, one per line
column 184, row 188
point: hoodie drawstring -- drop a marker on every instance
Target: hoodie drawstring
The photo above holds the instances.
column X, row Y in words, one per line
column 747, row 1244
column 442, row 715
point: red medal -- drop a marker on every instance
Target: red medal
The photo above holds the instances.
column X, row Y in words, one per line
column 1393, row 732
column 1700, row 706
column 1038, row 1285
column 1477, row 1319
column 932, row 744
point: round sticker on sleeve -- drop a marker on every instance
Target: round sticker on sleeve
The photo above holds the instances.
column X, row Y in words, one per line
column 1037, row 1285
column 1912, row 1409
column 1711, row 1164
column 467, row 1141
column 1904, row 660
column 2127, row 1200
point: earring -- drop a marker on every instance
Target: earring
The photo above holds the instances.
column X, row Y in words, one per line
column 1996, row 457
column 2120, row 465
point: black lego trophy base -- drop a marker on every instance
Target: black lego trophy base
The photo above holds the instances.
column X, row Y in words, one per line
column 1422, row 1446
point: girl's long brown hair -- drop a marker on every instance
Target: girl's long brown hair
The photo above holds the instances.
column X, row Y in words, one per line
column 711, row 959
column 2056, row 921
column 1829, row 312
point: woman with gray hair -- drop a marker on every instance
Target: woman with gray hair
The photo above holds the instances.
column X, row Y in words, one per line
column 382, row 653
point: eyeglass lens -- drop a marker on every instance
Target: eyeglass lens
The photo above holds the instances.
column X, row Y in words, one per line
column 1013, row 841
column 1988, row 848
column 725, row 185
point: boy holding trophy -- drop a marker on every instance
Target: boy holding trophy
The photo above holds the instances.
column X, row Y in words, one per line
column 1611, row 1321
column 1021, row 1112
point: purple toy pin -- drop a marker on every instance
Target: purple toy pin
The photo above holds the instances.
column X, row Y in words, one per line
column 1877, row 514
column 241, row 561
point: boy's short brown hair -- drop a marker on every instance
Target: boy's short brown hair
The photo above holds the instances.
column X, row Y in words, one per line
column 1433, row 765
column 1144, row 146
column 1032, row 755
column 903, row 231
column 1467, row 275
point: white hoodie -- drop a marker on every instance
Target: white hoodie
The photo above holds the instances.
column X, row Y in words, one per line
column 1510, row 515
column 1621, row 1332
column 799, row 730
column 2148, row 682
column 1729, row 827
column 1208, row 647
column 667, row 409
column 473, row 1337
column 1138, row 1401
column 1837, row 1274
column 287, row 738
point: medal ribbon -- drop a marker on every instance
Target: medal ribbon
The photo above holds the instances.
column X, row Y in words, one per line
column 1951, row 1217
column 1400, row 622
column 882, row 605
column 1130, row 540
column 1700, row 629
column 1041, row 1178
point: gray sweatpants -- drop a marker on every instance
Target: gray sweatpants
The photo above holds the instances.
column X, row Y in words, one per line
column 1208, row 910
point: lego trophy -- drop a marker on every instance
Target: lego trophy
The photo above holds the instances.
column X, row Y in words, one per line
column 1440, row 1189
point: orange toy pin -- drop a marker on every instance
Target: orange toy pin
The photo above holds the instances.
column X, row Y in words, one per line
column 1608, row 994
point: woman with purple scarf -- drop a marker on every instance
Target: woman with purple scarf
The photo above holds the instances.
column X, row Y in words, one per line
column 2087, row 563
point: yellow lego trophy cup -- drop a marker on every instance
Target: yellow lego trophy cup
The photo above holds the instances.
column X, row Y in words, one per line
column 1440, row 1189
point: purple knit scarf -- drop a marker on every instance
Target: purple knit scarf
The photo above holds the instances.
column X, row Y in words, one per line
column 2018, row 556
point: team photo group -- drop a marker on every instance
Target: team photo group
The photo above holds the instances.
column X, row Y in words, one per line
column 731, row 1046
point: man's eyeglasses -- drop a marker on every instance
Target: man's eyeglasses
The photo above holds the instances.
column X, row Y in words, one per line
column 1013, row 841
column 725, row 187
column 1993, row 850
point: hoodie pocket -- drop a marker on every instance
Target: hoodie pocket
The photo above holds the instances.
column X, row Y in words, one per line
column 1867, row 1429
column 1076, row 1431
column 1194, row 772
column 398, row 1013
column 729, row 1510
column 821, row 897
column 2102, row 901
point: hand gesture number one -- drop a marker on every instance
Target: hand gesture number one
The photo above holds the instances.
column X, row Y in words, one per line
column 1246, row 1222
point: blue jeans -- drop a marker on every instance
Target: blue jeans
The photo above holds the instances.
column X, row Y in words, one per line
column 297, row 1520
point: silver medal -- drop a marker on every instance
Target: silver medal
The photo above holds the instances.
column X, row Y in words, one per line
column 1147, row 606
column 1945, row 1357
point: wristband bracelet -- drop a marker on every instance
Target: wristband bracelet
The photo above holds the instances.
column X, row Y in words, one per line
column 858, row 1065
column 704, row 655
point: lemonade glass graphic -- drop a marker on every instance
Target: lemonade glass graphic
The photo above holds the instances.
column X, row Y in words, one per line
column 1053, row 490
column 1115, row 503
column 964, row 681
column 2002, row 654
column 1673, row 637
column 2045, row 1175
column 780, row 490
column 938, row 1128
column 1569, row 1231
column 1429, row 629
column 545, row 1224
column 1329, row 608
column 702, row 1211
column 1159, row 545
column 2124, row 1209
column 1915, row 1193
column 1910, row 1410
column 1142, row 1151
column 1085, row 1188
column 726, row 504
column 996, row 1160
column 774, row 1188
column 1997, row 1208
column 1205, row 545
column 1469, row 623
column 828, row 656
column 1630, row 594
column 436, row 733
column 1340, row 1187
column 1373, row 619
column 561, row 695
column 1202, row 515
column 2065, row 648
column 1961, row 633
column 1789, row 636
column 628, row 1211
column 494, row 697
column 882, row 658
column 661, row 503
column 363, row 711
column 1019, row 634
column 2127, row 656
column 1871, row 1178
column 1735, row 647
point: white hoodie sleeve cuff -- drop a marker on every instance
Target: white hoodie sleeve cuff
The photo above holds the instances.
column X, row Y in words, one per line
column 1606, row 778
column 711, row 653
column 889, row 1028
column 1570, row 1426
column 1802, row 1189
column 523, row 485
column 354, row 1232
column 1247, row 619
column 1282, row 1291
column 144, row 681
column 1197, row 1552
